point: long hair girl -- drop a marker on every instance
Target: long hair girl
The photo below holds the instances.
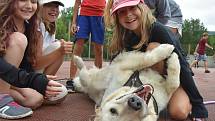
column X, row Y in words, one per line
column 7, row 27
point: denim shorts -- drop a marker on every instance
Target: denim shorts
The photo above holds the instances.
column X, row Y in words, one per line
column 93, row 25
column 201, row 57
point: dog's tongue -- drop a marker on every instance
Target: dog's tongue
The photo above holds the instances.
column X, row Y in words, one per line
column 144, row 91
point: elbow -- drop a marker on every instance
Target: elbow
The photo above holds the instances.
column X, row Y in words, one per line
column 37, row 66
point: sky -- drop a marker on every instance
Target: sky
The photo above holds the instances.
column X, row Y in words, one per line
column 202, row 9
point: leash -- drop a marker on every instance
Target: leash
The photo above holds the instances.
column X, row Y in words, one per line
column 154, row 103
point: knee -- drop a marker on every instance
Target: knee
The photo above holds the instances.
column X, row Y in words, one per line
column 18, row 40
column 178, row 113
column 79, row 46
column 179, row 105
column 79, row 42
column 34, row 103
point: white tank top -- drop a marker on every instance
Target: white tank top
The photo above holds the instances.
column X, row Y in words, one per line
column 47, row 37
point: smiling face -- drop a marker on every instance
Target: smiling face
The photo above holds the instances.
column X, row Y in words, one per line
column 50, row 12
column 125, row 104
column 25, row 9
column 129, row 17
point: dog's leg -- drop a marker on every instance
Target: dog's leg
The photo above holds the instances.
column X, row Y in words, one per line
column 173, row 73
column 152, row 117
column 140, row 60
column 78, row 62
column 77, row 85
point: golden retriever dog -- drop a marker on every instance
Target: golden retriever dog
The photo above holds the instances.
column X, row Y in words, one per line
column 139, row 99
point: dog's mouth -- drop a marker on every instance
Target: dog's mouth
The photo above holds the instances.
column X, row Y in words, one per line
column 144, row 92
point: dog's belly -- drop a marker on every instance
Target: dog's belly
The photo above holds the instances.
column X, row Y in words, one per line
column 118, row 79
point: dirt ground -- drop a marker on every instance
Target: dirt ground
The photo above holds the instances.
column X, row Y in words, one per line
column 78, row 107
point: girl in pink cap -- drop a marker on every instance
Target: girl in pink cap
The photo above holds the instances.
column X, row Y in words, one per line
column 135, row 28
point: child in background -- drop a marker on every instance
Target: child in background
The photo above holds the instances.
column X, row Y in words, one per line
column 200, row 51
column 88, row 20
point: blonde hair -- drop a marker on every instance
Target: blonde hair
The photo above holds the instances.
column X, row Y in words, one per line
column 119, row 32
column 49, row 26
column 205, row 34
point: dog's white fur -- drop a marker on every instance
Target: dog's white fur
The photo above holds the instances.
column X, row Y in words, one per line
column 105, row 85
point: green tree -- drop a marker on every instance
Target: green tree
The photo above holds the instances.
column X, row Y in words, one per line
column 192, row 31
column 211, row 41
column 63, row 24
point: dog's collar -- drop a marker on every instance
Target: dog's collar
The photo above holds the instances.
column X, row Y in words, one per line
column 134, row 80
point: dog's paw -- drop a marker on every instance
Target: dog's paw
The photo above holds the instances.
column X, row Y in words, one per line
column 173, row 63
column 173, row 71
column 166, row 48
column 77, row 85
column 151, row 117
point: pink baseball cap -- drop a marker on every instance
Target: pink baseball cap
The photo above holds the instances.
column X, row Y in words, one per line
column 117, row 4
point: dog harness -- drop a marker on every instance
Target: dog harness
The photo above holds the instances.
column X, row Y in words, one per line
column 134, row 81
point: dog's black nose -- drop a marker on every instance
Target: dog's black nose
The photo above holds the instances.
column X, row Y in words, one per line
column 70, row 85
column 135, row 103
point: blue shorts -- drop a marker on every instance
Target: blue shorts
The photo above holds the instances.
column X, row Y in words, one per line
column 201, row 57
column 93, row 25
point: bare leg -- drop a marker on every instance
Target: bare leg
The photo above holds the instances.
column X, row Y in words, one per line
column 27, row 97
column 179, row 105
column 193, row 63
column 98, row 51
column 77, row 51
column 52, row 68
column 14, row 55
column 206, row 65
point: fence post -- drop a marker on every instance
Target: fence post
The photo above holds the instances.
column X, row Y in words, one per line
column 89, row 49
column 189, row 49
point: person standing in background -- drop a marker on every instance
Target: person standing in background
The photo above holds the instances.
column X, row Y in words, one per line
column 176, row 20
column 87, row 21
column 168, row 13
column 200, row 51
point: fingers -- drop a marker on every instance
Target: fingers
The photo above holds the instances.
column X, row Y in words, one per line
column 51, row 94
column 52, row 83
column 66, row 47
column 51, row 77
column 52, row 89
column 74, row 29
